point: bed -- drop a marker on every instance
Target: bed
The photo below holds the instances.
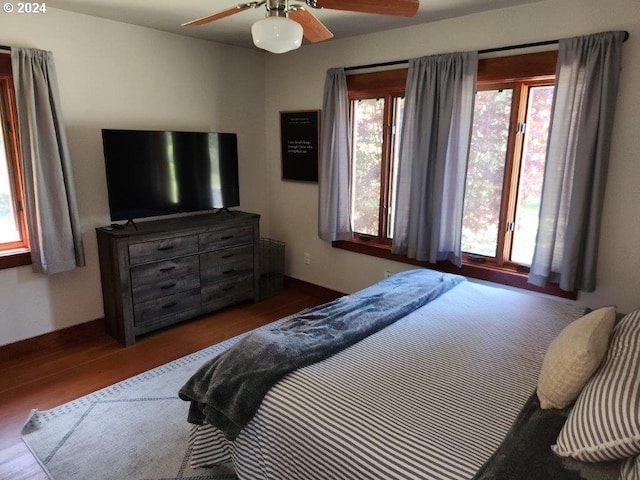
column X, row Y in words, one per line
column 431, row 396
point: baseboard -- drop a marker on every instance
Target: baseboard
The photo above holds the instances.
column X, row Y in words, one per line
column 51, row 340
column 309, row 287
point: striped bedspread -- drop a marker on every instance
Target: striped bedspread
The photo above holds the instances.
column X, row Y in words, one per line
column 228, row 390
column 429, row 397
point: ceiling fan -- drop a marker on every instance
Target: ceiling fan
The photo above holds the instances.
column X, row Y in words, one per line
column 285, row 24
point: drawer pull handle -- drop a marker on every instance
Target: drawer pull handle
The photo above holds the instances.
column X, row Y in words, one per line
column 167, row 269
column 169, row 305
column 167, row 287
column 229, row 288
column 230, row 255
column 227, row 272
column 227, row 237
column 165, row 248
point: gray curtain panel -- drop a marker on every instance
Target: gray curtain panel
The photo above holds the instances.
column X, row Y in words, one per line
column 52, row 215
column 587, row 77
column 434, row 149
column 334, row 206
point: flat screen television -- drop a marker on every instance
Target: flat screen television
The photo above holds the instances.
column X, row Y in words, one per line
column 154, row 173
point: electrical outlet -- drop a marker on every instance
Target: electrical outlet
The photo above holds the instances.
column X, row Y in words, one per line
column 307, row 258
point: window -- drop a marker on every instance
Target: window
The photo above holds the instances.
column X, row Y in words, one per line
column 505, row 171
column 376, row 103
column 506, row 165
column 14, row 243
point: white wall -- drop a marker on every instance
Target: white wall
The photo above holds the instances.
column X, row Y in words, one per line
column 299, row 78
column 113, row 75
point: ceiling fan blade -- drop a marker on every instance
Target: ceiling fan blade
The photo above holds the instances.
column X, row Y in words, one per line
column 219, row 15
column 313, row 29
column 402, row 8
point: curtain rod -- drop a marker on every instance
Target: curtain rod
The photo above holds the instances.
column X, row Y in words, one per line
column 487, row 50
column 4, row 47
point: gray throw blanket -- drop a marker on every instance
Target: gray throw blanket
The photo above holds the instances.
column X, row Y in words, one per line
column 227, row 390
column 525, row 453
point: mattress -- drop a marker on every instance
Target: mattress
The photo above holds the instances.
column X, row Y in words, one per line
column 430, row 397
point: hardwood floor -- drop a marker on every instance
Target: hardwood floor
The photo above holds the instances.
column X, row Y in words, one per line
column 56, row 368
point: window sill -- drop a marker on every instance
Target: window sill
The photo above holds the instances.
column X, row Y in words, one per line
column 502, row 275
column 14, row 258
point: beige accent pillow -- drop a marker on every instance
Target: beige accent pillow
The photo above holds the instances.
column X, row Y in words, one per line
column 573, row 357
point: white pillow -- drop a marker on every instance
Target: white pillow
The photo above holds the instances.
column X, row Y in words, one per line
column 604, row 423
column 573, row 357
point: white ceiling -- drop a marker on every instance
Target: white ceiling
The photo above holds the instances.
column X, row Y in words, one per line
column 168, row 15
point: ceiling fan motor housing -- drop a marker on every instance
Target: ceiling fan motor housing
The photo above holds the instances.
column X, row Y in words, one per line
column 277, row 8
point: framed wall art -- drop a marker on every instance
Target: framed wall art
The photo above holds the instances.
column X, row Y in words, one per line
column 299, row 140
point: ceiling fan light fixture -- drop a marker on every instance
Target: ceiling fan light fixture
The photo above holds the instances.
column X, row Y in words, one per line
column 277, row 34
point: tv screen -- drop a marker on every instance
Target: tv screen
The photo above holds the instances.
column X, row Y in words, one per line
column 153, row 173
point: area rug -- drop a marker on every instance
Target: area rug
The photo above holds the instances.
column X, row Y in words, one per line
column 133, row 430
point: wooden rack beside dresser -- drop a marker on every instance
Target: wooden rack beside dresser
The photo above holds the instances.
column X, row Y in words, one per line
column 161, row 272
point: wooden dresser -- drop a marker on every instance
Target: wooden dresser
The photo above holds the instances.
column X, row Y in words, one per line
column 161, row 272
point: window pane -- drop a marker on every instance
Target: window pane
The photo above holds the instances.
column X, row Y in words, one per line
column 9, row 226
column 367, row 164
column 485, row 172
column 531, row 173
column 393, row 177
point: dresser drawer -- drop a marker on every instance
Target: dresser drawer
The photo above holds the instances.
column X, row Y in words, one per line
column 227, row 256
column 153, row 273
column 228, row 292
column 214, row 267
column 151, row 311
column 226, row 238
column 162, row 249
column 169, row 286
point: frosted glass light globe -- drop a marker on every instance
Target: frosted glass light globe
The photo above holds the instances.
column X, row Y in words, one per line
column 277, row 34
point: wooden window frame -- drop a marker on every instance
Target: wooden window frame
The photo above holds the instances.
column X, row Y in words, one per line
column 17, row 253
column 527, row 70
